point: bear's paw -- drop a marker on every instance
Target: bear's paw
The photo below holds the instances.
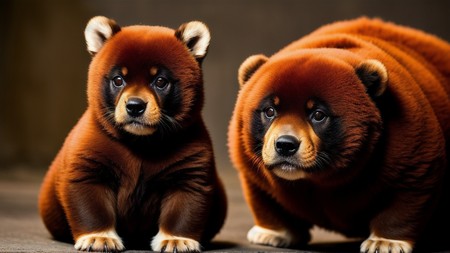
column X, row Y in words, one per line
column 107, row 241
column 377, row 244
column 164, row 242
column 275, row 238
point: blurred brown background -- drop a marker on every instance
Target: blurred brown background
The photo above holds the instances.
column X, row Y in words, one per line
column 43, row 58
column 43, row 72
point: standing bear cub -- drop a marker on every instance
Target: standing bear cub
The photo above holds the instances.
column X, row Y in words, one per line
column 347, row 128
column 138, row 167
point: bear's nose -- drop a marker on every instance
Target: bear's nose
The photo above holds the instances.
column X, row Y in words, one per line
column 135, row 106
column 287, row 145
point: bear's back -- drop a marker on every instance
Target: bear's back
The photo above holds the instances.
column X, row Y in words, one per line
column 425, row 56
column 426, row 46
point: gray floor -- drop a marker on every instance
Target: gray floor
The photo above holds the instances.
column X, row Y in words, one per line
column 21, row 229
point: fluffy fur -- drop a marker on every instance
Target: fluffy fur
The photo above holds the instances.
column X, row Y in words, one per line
column 139, row 163
column 347, row 128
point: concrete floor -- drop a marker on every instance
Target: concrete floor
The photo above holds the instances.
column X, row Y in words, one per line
column 21, row 229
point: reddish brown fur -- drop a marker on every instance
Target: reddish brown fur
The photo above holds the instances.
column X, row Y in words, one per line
column 392, row 163
column 103, row 178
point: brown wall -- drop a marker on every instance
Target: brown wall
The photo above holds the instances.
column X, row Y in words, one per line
column 43, row 60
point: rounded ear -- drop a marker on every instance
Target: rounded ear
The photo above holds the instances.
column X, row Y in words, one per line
column 249, row 67
column 195, row 35
column 98, row 30
column 373, row 74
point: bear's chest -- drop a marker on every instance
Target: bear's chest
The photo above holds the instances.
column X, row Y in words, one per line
column 348, row 211
column 141, row 188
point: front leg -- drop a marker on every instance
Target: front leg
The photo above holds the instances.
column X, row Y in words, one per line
column 182, row 221
column 273, row 225
column 89, row 204
column 396, row 229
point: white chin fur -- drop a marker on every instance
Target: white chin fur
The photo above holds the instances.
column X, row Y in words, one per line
column 139, row 129
column 289, row 172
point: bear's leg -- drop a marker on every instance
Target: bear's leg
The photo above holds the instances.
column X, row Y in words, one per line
column 273, row 225
column 397, row 228
column 182, row 221
column 90, row 209
column 51, row 210
column 217, row 213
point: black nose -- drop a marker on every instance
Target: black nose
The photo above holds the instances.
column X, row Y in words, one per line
column 286, row 145
column 135, row 107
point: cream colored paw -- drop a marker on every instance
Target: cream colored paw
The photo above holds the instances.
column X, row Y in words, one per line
column 163, row 242
column 260, row 235
column 100, row 241
column 382, row 245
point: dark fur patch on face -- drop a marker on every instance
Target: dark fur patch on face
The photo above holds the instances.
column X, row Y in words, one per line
column 152, row 52
column 318, row 114
column 110, row 92
column 160, row 80
column 169, row 96
column 326, row 125
column 261, row 123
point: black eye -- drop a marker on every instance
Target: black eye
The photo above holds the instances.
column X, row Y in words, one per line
column 161, row 83
column 269, row 112
column 118, row 81
column 318, row 116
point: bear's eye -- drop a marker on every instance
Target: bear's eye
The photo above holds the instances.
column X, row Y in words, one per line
column 161, row 83
column 118, row 81
column 269, row 112
column 318, row 116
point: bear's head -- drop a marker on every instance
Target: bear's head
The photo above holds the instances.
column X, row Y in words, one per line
column 145, row 80
column 308, row 114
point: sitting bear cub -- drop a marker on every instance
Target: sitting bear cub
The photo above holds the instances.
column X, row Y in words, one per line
column 347, row 128
column 138, row 167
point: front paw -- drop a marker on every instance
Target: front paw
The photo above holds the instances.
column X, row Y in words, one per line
column 275, row 238
column 375, row 244
column 163, row 242
column 107, row 241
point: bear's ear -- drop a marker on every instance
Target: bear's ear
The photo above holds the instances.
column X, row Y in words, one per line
column 249, row 67
column 373, row 74
column 195, row 35
column 98, row 30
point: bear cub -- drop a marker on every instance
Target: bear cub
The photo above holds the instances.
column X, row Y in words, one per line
column 347, row 128
column 138, row 167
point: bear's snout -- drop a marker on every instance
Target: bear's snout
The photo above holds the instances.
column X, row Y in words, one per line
column 135, row 106
column 287, row 145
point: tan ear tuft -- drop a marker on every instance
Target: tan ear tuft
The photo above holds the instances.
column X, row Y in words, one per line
column 196, row 36
column 98, row 30
column 373, row 74
column 249, row 67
